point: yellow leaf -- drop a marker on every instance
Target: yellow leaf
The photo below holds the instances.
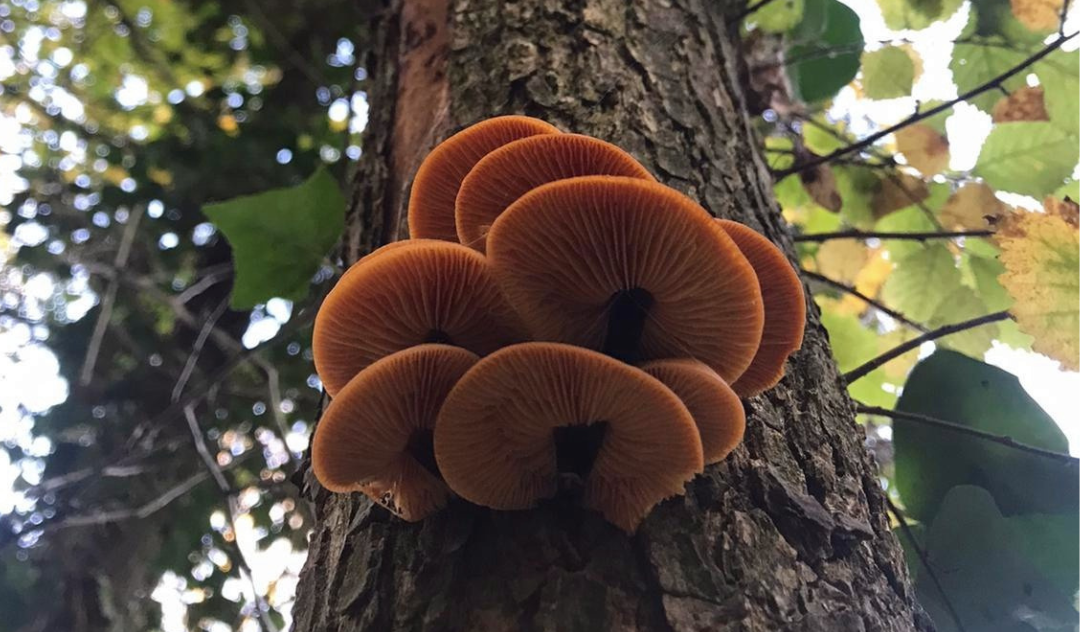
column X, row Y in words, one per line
column 162, row 177
column 162, row 114
column 1040, row 255
column 970, row 206
column 820, row 183
column 228, row 124
column 114, row 174
column 1025, row 104
column 924, row 148
column 868, row 281
column 1038, row 15
column 841, row 259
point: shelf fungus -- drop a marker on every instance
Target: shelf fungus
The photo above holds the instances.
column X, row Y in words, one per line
column 423, row 291
column 513, row 170
column 535, row 411
column 435, row 187
column 631, row 268
column 376, row 435
column 589, row 337
column 785, row 308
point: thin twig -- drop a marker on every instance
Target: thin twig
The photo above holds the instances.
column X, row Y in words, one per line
column 914, row 343
column 1004, row 440
column 859, row 234
column 231, row 506
column 196, row 349
column 866, row 299
column 208, row 280
column 86, row 374
column 920, row 116
column 925, row 560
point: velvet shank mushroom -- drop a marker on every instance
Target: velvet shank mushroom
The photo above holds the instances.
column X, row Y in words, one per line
column 431, row 203
column 513, row 170
column 629, row 267
column 376, row 436
column 405, row 294
column 785, row 309
column 496, row 435
column 715, row 407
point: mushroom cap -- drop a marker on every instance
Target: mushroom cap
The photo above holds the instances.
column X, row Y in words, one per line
column 494, row 436
column 716, row 409
column 513, row 170
column 366, row 440
column 405, row 294
column 435, row 187
column 567, row 252
column 785, row 308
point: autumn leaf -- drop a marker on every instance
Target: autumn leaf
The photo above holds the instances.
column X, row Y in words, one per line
column 820, row 184
column 1038, row 15
column 1025, row 104
column 898, row 191
column 868, row 281
column 970, row 206
column 924, row 148
column 888, row 73
column 841, row 259
column 1039, row 252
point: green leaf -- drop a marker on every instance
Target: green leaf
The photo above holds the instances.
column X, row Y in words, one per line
column 1027, row 157
column 964, row 304
column 931, row 460
column 856, row 186
column 909, row 220
column 1070, row 189
column 280, row 237
column 916, row 14
column 922, row 282
column 825, row 55
column 977, row 62
column 887, row 73
column 1059, row 76
column 778, row 16
column 983, row 273
column 998, row 574
column 853, row 344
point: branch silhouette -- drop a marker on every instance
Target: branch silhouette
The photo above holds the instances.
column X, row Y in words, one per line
column 843, row 287
column 859, row 234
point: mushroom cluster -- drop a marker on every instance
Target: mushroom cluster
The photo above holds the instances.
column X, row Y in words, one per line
column 558, row 320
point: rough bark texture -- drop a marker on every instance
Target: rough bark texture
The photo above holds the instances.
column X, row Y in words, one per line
column 789, row 533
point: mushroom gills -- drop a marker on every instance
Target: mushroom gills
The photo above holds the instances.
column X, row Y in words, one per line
column 438, row 336
column 576, row 448
column 627, row 314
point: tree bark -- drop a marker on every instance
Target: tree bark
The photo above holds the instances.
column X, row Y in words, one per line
column 788, row 533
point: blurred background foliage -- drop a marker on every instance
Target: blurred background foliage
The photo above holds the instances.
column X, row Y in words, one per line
column 156, row 385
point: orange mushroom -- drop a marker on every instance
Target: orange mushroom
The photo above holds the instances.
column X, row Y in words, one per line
column 435, row 187
column 405, row 294
column 496, row 435
column 715, row 407
column 630, row 267
column 513, row 170
column 785, row 309
column 376, row 436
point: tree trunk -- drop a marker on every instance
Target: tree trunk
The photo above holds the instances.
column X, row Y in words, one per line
column 788, row 533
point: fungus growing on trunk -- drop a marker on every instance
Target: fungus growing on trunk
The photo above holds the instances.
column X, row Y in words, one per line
column 513, row 170
column 629, row 267
column 376, row 436
column 405, row 294
column 496, row 435
column 435, row 187
column 715, row 407
column 785, row 309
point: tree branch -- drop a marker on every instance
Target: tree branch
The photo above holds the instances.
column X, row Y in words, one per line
column 1004, row 440
column 859, row 234
column 920, row 116
column 753, row 8
column 924, row 560
column 866, row 299
column 914, row 343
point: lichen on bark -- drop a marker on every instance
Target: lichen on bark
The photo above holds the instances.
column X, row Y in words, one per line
column 788, row 533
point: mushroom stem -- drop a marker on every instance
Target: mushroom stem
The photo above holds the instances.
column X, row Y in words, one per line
column 576, row 447
column 422, row 448
column 626, row 321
